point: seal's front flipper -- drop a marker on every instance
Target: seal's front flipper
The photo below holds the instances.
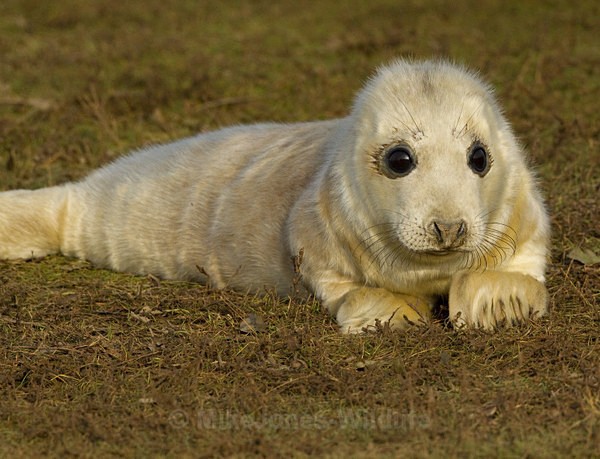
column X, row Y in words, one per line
column 493, row 298
column 364, row 308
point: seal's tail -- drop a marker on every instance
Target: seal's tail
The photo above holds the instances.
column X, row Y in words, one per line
column 32, row 223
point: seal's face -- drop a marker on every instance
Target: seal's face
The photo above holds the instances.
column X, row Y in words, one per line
column 432, row 157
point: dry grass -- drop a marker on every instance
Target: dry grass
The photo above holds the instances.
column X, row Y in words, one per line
column 94, row 363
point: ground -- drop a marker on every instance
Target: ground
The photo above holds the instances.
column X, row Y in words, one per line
column 95, row 363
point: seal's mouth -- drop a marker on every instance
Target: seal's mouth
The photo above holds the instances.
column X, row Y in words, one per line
column 444, row 252
column 439, row 253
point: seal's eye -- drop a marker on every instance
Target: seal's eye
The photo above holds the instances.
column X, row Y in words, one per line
column 399, row 161
column 479, row 160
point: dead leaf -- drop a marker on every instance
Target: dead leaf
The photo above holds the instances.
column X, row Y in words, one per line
column 143, row 319
column 253, row 323
column 584, row 256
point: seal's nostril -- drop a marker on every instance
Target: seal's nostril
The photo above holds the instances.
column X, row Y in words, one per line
column 438, row 232
column 449, row 234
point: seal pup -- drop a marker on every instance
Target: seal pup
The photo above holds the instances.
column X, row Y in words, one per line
column 421, row 191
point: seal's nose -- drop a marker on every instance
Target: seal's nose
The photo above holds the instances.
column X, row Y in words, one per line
column 448, row 234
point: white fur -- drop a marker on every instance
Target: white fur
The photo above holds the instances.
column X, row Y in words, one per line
column 241, row 202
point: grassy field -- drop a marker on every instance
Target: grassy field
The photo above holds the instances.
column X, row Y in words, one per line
column 94, row 363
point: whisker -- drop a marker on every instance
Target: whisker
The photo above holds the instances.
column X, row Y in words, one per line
column 419, row 130
column 384, row 250
column 465, row 128
column 376, row 245
column 462, row 106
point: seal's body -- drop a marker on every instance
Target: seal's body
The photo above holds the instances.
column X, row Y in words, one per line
column 421, row 191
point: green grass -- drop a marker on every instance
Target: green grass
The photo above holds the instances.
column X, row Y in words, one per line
column 94, row 363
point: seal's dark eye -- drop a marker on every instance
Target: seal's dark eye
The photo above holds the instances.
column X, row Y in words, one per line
column 399, row 161
column 479, row 160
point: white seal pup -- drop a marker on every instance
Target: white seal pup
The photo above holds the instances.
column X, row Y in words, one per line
column 421, row 191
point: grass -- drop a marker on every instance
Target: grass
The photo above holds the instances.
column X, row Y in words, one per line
column 94, row 363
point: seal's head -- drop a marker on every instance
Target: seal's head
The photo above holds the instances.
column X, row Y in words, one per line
column 434, row 164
